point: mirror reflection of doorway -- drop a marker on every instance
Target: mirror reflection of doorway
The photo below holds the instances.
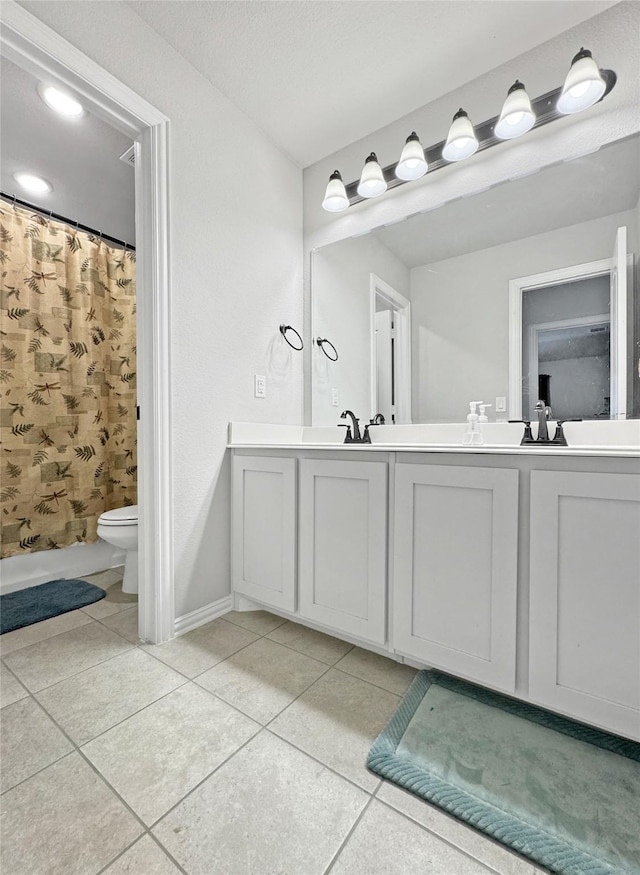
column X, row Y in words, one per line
column 390, row 352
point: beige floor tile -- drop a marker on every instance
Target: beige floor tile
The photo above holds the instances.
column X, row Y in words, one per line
column 270, row 809
column 104, row 579
column 157, row 756
column 125, row 623
column 474, row 843
column 144, row 858
column 12, row 641
column 262, row 679
column 114, row 602
column 386, row 843
column 336, row 721
column 63, row 820
column 317, row 645
column 378, row 670
column 260, row 622
column 11, row 690
column 29, row 741
column 50, row 661
column 89, row 703
column 203, row 648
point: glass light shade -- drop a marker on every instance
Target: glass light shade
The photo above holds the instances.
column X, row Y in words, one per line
column 516, row 117
column 32, row 183
column 412, row 163
column 372, row 182
column 583, row 86
column 335, row 197
column 60, row 101
column 461, row 139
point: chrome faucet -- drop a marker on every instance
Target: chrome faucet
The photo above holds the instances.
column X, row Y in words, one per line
column 544, row 413
column 351, row 436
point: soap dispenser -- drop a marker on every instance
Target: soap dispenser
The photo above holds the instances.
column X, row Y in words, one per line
column 483, row 416
column 473, row 436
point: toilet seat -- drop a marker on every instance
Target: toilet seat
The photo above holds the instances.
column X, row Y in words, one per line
column 120, row 516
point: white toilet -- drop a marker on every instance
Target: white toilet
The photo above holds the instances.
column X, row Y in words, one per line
column 120, row 528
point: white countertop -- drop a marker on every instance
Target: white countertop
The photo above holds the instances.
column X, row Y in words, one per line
column 585, row 439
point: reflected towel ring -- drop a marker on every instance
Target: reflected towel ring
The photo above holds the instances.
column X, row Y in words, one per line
column 321, row 341
column 283, row 332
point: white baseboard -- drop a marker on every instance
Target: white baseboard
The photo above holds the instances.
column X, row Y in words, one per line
column 20, row 572
column 209, row 612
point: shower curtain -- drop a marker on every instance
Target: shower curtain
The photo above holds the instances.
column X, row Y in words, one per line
column 67, row 382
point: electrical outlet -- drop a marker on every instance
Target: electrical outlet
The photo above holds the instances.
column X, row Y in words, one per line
column 501, row 403
column 260, row 385
column 334, row 397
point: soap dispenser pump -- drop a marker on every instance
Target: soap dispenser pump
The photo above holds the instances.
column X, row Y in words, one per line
column 473, row 435
column 483, row 416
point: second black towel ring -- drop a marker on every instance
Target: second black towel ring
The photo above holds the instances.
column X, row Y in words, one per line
column 283, row 332
column 321, row 341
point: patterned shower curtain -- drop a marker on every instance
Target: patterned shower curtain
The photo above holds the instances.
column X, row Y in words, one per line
column 67, row 382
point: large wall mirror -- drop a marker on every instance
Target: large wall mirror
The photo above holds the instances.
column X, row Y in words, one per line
column 521, row 292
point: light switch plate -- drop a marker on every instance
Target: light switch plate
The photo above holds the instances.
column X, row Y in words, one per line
column 260, row 385
column 501, row 403
column 334, row 397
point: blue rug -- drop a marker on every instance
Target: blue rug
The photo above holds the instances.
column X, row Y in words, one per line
column 558, row 792
column 27, row 606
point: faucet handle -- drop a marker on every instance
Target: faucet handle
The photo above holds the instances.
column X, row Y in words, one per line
column 527, row 437
column 348, row 438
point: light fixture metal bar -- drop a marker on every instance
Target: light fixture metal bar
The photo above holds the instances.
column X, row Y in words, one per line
column 544, row 108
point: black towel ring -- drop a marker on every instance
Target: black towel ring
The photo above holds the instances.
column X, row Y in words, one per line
column 283, row 332
column 321, row 341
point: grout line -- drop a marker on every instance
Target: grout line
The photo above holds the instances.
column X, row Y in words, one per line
column 50, row 637
column 347, row 837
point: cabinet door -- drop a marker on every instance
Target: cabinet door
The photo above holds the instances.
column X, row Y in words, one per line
column 584, row 597
column 264, row 529
column 343, row 556
column 455, row 569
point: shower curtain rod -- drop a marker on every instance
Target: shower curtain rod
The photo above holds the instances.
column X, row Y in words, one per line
column 70, row 222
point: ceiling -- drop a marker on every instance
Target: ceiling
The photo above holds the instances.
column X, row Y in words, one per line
column 563, row 194
column 80, row 158
column 317, row 75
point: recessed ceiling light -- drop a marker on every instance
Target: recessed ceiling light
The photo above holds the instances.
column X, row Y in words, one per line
column 32, row 183
column 60, row 101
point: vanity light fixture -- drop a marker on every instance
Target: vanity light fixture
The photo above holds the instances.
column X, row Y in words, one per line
column 60, row 101
column 372, row 182
column 412, row 163
column 461, row 139
column 335, row 198
column 516, row 117
column 32, row 183
column 585, row 85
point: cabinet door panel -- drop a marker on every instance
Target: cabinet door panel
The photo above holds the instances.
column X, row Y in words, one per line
column 455, row 569
column 585, row 597
column 343, row 531
column 264, row 529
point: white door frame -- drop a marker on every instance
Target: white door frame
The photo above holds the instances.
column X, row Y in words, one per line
column 402, row 309
column 538, row 281
column 32, row 45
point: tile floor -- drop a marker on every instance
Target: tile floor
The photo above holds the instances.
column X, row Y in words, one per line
column 236, row 748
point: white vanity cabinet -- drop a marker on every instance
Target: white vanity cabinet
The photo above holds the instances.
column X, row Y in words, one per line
column 264, row 529
column 343, row 546
column 584, row 597
column 455, row 569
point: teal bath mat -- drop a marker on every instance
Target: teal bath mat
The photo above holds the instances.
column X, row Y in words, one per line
column 562, row 794
column 27, row 606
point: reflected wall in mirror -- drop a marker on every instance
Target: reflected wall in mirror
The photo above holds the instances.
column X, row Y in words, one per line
column 517, row 292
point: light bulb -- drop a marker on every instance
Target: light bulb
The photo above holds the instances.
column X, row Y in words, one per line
column 32, row 183
column 59, row 101
column 335, row 197
column 583, row 86
column 461, row 140
column 372, row 182
column 516, row 117
column 412, row 163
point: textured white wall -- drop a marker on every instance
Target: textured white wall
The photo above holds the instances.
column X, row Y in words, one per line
column 342, row 313
column 236, row 248
column 613, row 38
column 460, row 312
